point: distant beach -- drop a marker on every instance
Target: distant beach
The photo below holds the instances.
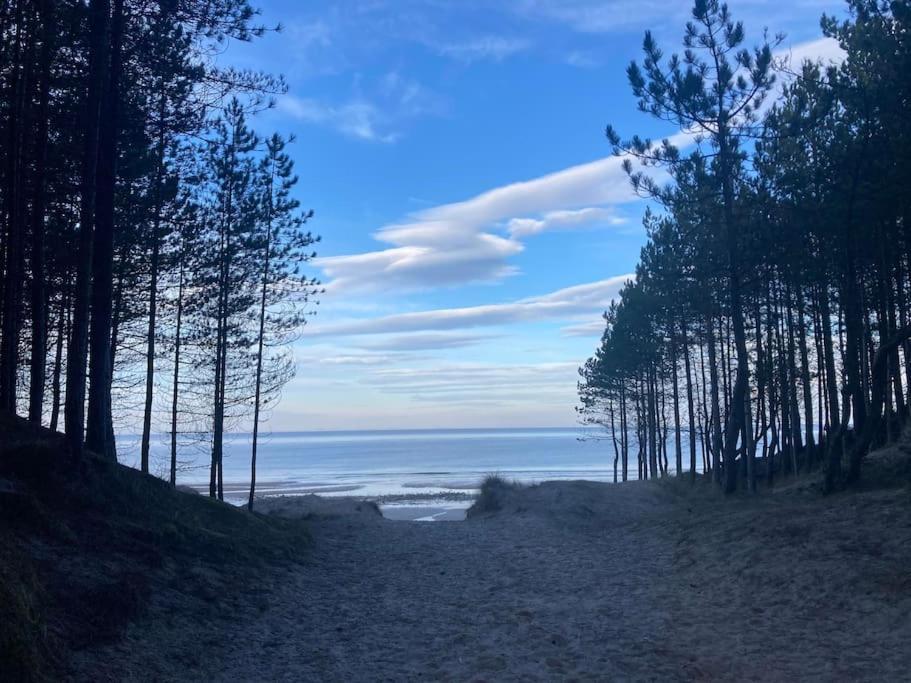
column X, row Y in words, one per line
column 428, row 475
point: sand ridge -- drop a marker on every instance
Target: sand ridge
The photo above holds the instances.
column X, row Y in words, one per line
column 571, row 580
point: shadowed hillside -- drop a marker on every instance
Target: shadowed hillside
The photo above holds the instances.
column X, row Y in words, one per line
column 86, row 544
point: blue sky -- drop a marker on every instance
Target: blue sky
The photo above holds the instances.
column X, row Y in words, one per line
column 474, row 224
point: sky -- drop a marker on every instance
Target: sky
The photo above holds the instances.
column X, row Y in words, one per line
column 474, row 224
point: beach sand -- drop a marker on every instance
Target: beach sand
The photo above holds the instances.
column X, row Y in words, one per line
column 647, row 581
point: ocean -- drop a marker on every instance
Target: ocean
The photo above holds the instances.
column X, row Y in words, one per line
column 390, row 464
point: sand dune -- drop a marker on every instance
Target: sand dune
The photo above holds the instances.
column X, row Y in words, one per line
column 571, row 580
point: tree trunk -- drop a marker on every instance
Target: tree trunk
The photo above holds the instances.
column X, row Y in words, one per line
column 15, row 264
column 97, row 435
column 805, row 380
column 259, row 363
column 624, row 426
column 153, row 302
column 689, row 399
column 879, row 384
column 38, row 363
column 77, row 352
column 62, row 332
column 175, row 388
column 716, row 408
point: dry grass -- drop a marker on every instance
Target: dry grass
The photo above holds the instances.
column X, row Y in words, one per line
column 86, row 544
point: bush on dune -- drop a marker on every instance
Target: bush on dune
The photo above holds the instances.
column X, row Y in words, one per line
column 493, row 490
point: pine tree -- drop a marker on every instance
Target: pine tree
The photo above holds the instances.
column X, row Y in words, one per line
column 284, row 289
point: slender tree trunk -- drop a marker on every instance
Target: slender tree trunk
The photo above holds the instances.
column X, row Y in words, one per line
column 716, row 407
column 176, row 388
column 62, row 332
column 652, row 424
column 706, row 429
column 38, row 363
column 853, row 317
column 97, row 435
column 77, row 353
column 15, row 257
column 761, row 379
column 690, row 409
column 829, row 358
column 738, row 417
column 153, row 298
column 792, row 382
column 613, row 433
column 678, row 443
column 805, row 379
column 880, row 381
column 624, row 426
column 259, row 360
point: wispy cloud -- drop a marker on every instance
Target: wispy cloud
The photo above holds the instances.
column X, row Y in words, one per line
column 591, row 298
column 463, row 242
column 825, row 50
column 376, row 115
column 461, row 381
column 563, row 220
column 615, row 16
column 489, row 48
column 588, row 328
column 597, row 16
column 582, row 60
column 357, row 119
column 459, row 243
column 425, row 341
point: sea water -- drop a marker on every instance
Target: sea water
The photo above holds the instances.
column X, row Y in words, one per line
column 398, row 463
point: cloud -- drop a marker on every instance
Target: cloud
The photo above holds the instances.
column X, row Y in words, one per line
column 478, row 259
column 591, row 328
column 615, row 16
column 463, row 242
column 477, row 381
column 582, row 60
column 374, row 116
column 493, row 48
column 826, row 50
column 555, row 220
column 357, row 119
column 425, row 341
column 457, row 243
column 597, row 16
column 586, row 299
column 309, row 34
column 361, row 359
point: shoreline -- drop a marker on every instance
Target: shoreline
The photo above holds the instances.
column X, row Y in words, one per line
column 418, row 507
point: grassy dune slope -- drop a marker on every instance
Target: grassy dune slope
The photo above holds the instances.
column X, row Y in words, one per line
column 85, row 545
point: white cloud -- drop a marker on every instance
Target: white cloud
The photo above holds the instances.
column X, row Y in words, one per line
column 376, row 116
column 425, row 341
column 582, row 60
column 589, row 328
column 587, row 299
column 358, row 118
column 478, row 259
column 457, row 243
column 562, row 220
column 456, row 381
column 614, row 16
column 494, row 48
column 826, row 50
column 597, row 16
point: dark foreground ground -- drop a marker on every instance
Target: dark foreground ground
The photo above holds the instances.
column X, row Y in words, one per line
column 574, row 580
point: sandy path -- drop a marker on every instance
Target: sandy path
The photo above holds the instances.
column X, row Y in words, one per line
column 629, row 584
column 403, row 601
